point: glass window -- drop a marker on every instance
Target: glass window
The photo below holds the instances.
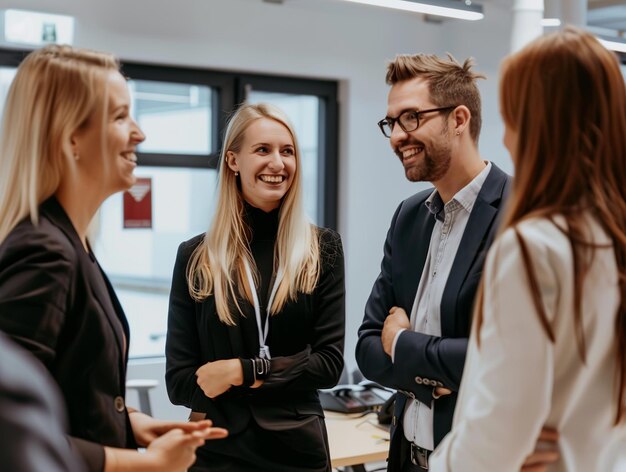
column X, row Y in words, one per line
column 6, row 77
column 139, row 261
column 303, row 111
column 183, row 113
column 176, row 117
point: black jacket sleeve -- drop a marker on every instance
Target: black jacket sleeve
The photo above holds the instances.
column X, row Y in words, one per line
column 36, row 276
column 416, row 354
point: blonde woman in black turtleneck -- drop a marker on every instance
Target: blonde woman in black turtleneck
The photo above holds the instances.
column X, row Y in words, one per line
column 256, row 318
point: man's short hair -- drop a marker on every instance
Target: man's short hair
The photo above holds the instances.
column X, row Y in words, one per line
column 449, row 83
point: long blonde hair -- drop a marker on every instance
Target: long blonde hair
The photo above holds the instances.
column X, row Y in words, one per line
column 54, row 92
column 565, row 96
column 217, row 266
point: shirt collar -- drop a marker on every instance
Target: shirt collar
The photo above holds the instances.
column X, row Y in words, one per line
column 464, row 198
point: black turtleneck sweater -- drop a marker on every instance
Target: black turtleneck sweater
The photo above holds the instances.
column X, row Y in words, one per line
column 306, row 344
column 264, row 228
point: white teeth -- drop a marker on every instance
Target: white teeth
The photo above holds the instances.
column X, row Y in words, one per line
column 274, row 179
column 130, row 156
column 411, row 152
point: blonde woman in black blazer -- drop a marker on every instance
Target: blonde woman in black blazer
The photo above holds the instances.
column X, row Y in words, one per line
column 256, row 320
column 68, row 142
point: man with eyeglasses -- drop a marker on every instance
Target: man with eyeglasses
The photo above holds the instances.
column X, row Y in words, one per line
column 417, row 319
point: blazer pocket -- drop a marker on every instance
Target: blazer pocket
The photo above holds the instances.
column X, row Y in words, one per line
column 310, row 409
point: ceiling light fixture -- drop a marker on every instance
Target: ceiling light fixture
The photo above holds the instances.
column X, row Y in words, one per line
column 37, row 28
column 461, row 10
column 613, row 44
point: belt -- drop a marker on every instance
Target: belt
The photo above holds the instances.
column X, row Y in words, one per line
column 419, row 456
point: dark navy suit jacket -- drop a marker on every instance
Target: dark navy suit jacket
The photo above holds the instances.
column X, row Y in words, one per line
column 423, row 361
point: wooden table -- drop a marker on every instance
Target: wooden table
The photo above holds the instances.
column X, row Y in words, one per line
column 355, row 440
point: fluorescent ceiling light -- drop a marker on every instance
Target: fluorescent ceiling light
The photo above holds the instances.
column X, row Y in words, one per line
column 550, row 22
column 613, row 45
column 35, row 28
column 448, row 8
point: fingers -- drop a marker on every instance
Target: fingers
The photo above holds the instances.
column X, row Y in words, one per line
column 549, row 434
column 542, row 457
column 440, row 391
column 534, row 468
column 211, row 433
column 539, row 461
column 190, row 426
column 202, row 424
column 182, row 438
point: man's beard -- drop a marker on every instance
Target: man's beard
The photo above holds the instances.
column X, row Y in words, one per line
column 432, row 166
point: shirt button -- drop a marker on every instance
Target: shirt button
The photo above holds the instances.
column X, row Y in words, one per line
column 119, row 404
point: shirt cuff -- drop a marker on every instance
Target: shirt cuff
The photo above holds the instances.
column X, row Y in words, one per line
column 393, row 344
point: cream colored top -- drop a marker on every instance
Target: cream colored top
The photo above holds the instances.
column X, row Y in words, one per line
column 518, row 381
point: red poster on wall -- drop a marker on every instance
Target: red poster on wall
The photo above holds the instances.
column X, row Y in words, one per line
column 138, row 204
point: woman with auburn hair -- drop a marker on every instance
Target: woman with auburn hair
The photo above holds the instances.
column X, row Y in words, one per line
column 256, row 320
column 549, row 340
column 68, row 142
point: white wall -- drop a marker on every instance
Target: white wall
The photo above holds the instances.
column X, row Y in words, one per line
column 312, row 38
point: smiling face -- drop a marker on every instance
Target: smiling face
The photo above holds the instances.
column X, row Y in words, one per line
column 105, row 151
column 266, row 163
column 425, row 152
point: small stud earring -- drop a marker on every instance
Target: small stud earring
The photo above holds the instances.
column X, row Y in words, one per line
column 76, row 157
column 236, row 174
column 458, row 133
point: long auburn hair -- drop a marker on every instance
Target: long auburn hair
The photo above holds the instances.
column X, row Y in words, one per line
column 564, row 95
column 216, row 266
column 54, row 93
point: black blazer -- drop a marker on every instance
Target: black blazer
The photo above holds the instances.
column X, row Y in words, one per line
column 32, row 417
column 57, row 303
column 417, row 355
column 306, row 342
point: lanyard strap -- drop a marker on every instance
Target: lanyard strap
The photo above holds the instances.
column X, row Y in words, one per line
column 264, row 350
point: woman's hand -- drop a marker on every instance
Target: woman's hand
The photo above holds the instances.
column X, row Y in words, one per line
column 146, row 429
column 546, row 452
column 215, row 378
column 173, row 451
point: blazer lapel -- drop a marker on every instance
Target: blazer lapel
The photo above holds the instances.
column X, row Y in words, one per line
column 56, row 214
column 416, row 247
column 119, row 311
column 474, row 238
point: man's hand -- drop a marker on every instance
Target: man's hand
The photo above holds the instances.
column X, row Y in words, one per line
column 395, row 321
column 545, row 453
column 215, row 378
column 440, row 392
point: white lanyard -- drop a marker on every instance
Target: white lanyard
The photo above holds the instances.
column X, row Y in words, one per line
column 264, row 350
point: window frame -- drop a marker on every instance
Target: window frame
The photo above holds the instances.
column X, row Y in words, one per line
column 328, row 125
column 229, row 90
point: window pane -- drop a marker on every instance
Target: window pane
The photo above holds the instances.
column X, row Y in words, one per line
column 303, row 111
column 175, row 117
column 140, row 261
column 6, row 77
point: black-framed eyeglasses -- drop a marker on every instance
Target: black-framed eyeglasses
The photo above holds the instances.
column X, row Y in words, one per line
column 408, row 120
